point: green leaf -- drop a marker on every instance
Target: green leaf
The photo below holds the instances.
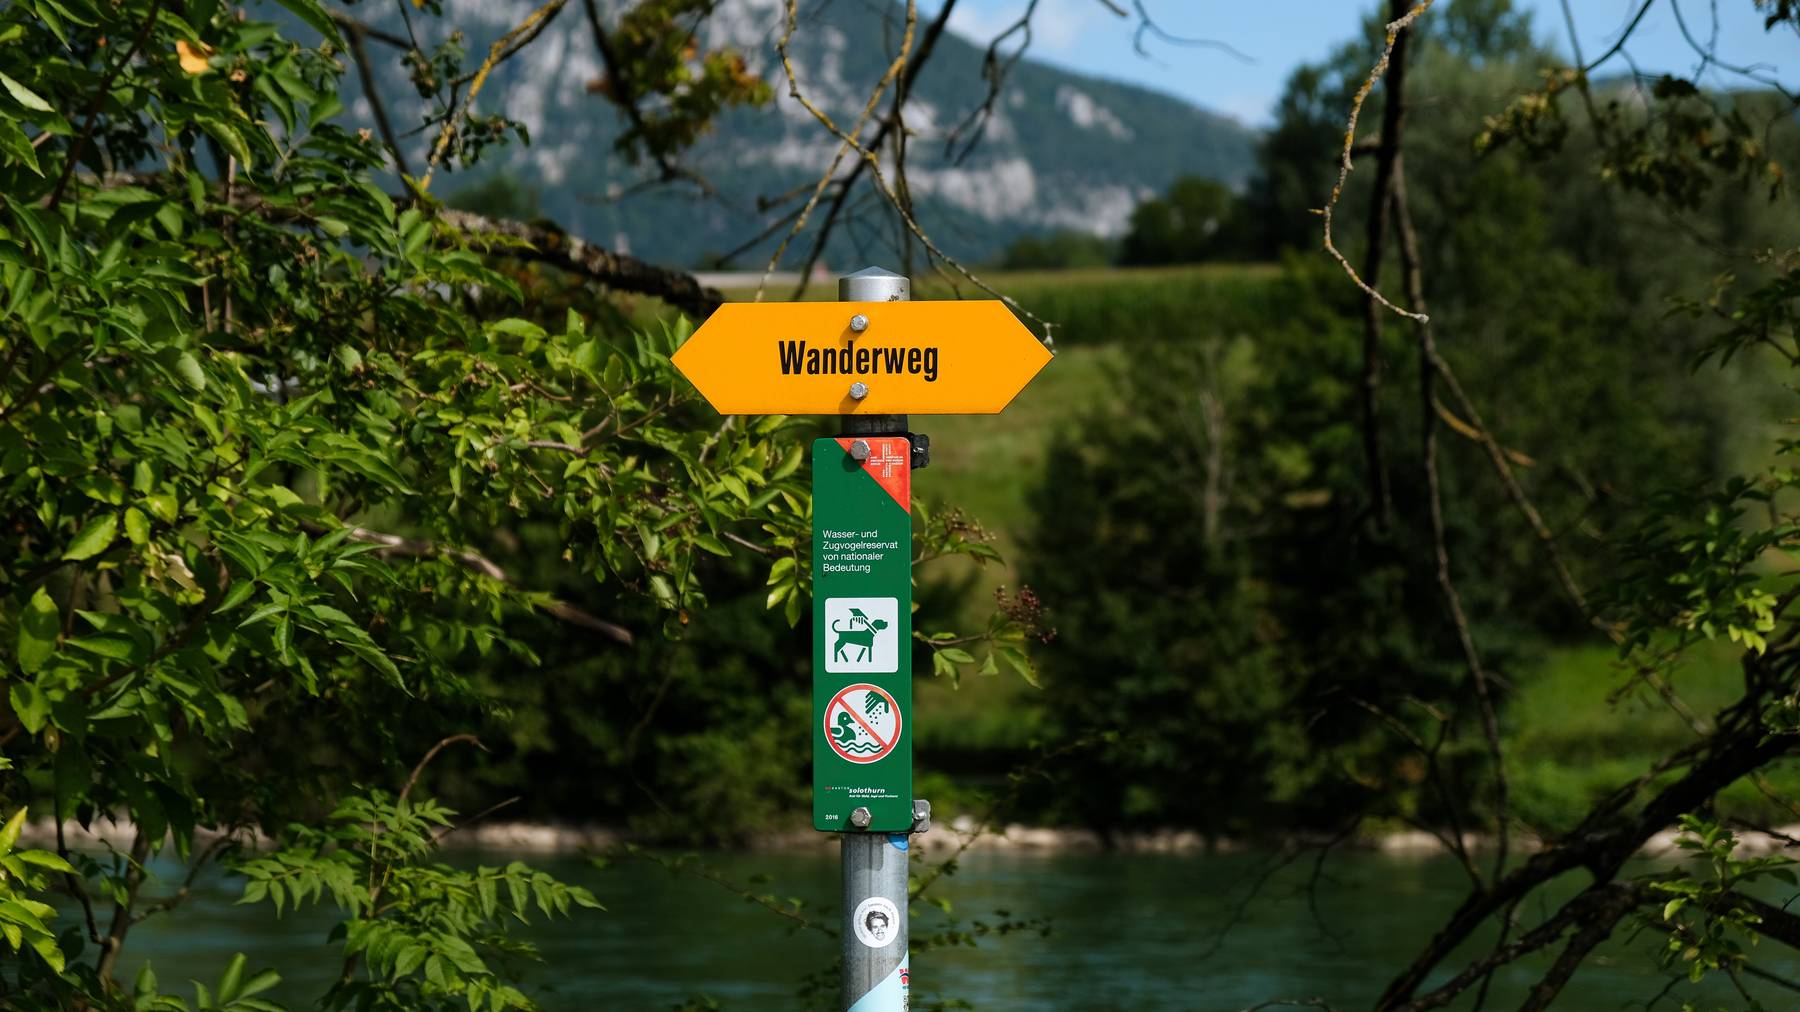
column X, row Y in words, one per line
column 46, row 948
column 311, row 12
column 234, row 973
column 9, row 833
column 115, row 648
column 517, row 328
column 39, row 626
column 228, row 136
column 96, row 537
column 30, row 704
column 23, row 95
column 45, row 859
column 13, row 142
column 257, row 984
column 711, row 544
column 188, row 368
column 1020, row 663
column 137, row 526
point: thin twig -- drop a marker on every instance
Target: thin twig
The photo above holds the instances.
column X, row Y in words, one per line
column 881, row 183
column 366, row 74
column 412, row 779
column 1412, row 271
column 848, row 142
column 79, row 148
column 501, row 50
column 1394, row 28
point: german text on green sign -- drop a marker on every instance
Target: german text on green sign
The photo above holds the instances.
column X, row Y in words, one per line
column 862, row 635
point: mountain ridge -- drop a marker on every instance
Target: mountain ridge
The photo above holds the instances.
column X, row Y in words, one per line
column 1061, row 150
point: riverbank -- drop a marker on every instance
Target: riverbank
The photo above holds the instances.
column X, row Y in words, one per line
column 958, row 835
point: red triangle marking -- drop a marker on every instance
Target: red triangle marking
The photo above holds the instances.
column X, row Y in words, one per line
column 889, row 463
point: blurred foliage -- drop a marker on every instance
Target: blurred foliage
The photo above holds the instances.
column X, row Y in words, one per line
column 1188, row 224
column 1062, row 250
column 281, row 459
column 671, row 90
column 1224, row 629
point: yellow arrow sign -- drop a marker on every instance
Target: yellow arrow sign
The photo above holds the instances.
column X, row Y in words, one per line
column 805, row 358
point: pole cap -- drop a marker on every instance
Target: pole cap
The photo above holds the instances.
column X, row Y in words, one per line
column 874, row 284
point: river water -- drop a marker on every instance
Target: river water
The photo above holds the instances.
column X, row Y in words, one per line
column 1124, row 931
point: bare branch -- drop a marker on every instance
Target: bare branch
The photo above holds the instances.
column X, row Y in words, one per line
column 551, row 245
column 77, row 149
column 873, row 160
column 412, row 779
column 503, row 49
column 848, row 140
column 472, row 559
column 617, row 93
column 1412, row 272
column 1624, row 36
column 1600, row 904
column 1394, row 30
column 114, row 942
column 354, row 27
column 1147, row 25
column 356, row 30
column 994, row 69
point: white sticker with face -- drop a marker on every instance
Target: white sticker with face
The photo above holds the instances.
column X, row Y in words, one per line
column 877, row 923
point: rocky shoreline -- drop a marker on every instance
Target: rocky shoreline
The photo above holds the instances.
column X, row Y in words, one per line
column 959, row 834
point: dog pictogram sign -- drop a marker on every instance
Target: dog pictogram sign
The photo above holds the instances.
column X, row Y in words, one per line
column 862, row 635
column 862, row 723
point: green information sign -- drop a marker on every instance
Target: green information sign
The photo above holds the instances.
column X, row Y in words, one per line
column 862, row 635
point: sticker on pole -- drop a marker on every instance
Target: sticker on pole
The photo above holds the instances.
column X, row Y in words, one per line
column 862, row 635
column 877, row 921
column 862, row 723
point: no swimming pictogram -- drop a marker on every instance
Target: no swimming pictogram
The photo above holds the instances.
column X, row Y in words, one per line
column 862, row 723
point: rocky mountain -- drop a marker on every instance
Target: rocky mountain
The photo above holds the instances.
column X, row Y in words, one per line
column 1059, row 151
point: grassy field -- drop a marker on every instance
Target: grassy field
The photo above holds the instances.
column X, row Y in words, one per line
column 1581, row 725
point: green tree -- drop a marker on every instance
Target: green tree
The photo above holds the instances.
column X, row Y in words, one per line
column 1056, row 251
column 283, row 456
column 1232, row 604
column 259, row 426
column 1186, row 225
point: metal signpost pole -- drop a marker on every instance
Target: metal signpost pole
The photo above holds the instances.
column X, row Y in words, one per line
column 864, row 358
column 875, row 978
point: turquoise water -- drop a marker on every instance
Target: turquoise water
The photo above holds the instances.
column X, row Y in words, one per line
column 1125, row 932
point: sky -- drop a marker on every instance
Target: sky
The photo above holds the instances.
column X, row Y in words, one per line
column 1279, row 35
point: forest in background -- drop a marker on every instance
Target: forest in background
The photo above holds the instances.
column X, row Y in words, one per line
column 287, row 453
column 1227, row 613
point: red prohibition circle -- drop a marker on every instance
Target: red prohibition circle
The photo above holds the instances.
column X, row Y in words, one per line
column 887, row 745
